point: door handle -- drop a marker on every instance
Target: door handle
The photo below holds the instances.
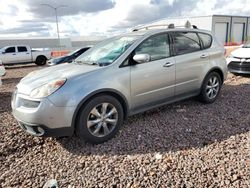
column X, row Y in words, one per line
column 204, row 56
column 168, row 64
column 27, row 53
column 13, row 54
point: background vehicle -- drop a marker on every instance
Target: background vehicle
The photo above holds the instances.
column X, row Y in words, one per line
column 119, row 77
column 68, row 58
column 239, row 60
column 23, row 54
column 2, row 71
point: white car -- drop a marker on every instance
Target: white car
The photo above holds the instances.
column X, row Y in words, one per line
column 2, row 72
column 239, row 60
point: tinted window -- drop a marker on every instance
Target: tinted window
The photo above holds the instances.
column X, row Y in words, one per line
column 22, row 49
column 157, row 47
column 186, row 42
column 206, row 40
column 10, row 50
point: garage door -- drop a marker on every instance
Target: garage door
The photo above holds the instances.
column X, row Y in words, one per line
column 238, row 32
column 221, row 31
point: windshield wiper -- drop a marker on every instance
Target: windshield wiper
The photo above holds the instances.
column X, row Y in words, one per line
column 86, row 62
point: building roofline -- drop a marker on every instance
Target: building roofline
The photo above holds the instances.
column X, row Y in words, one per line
column 186, row 17
column 240, row 16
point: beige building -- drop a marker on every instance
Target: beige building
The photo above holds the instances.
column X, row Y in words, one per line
column 228, row 29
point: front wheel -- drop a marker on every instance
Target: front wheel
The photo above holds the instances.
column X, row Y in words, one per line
column 99, row 119
column 211, row 87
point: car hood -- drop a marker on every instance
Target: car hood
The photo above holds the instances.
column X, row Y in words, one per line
column 38, row 78
column 241, row 53
column 55, row 60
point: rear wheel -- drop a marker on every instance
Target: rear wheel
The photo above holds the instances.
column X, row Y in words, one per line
column 99, row 119
column 41, row 60
column 211, row 87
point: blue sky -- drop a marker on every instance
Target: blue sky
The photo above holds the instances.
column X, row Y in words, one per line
column 102, row 17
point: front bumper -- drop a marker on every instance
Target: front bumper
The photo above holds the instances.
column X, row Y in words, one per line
column 42, row 117
column 239, row 66
column 42, row 130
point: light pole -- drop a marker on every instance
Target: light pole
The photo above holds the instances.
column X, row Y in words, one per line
column 57, row 26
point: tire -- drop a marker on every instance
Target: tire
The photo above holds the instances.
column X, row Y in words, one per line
column 96, row 126
column 211, row 87
column 41, row 60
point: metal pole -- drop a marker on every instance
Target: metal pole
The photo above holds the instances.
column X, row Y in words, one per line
column 57, row 25
column 58, row 33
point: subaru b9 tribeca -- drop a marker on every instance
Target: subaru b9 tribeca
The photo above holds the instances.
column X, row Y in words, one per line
column 119, row 77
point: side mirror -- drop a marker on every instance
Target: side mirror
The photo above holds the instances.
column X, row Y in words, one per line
column 142, row 58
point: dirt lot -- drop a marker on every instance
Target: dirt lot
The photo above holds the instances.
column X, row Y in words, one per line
column 186, row 144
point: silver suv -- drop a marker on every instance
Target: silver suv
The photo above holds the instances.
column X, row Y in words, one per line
column 117, row 78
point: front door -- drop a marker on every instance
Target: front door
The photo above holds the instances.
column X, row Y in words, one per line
column 153, row 81
column 9, row 55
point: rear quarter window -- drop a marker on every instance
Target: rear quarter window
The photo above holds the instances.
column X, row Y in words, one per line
column 206, row 40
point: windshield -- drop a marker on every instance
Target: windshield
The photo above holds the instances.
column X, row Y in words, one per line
column 246, row 45
column 107, row 51
column 73, row 52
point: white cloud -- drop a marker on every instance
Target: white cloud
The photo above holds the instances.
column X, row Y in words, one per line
column 29, row 18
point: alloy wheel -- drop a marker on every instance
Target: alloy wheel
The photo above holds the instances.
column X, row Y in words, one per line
column 212, row 88
column 102, row 120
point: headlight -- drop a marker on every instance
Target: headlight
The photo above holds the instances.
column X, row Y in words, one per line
column 230, row 56
column 47, row 89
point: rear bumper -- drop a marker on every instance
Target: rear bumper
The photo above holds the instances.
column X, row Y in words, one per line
column 239, row 67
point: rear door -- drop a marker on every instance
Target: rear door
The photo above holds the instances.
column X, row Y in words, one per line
column 23, row 54
column 9, row 55
column 191, row 59
column 153, row 81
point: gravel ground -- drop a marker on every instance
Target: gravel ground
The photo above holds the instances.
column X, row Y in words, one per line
column 186, row 144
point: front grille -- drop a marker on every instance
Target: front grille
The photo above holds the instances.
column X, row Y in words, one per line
column 34, row 130
column 239, row 66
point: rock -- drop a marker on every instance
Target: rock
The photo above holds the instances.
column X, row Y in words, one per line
column 52, row 183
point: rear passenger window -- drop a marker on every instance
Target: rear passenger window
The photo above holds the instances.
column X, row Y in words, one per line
column 22, row 49
column 206, row 40
column 186, row 42
column 157, row 47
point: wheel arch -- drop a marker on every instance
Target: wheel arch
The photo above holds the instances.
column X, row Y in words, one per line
column 118, row 95
column 217, row 70
column 43, row 56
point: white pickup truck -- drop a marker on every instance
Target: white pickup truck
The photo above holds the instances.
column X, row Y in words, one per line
column 23, row 54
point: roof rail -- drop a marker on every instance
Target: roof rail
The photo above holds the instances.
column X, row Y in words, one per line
column 150, row 27
column 167, row 26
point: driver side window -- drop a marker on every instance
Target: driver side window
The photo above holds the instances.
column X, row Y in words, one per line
column 10, row 50
column 156, row 46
